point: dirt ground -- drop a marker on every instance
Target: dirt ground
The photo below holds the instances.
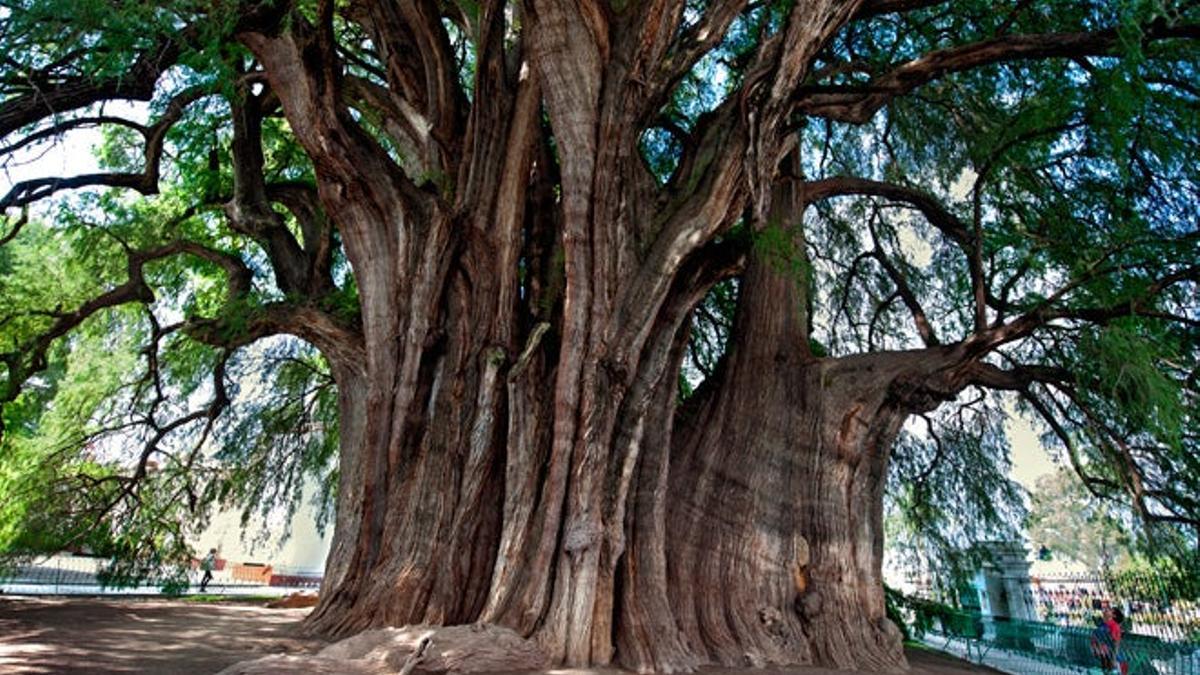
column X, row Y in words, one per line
column 40, row 636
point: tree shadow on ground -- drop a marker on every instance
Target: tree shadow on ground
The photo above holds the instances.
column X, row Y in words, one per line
column 42, row 636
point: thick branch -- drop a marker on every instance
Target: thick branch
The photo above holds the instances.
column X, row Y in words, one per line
column 691, row 45
column 414, row 46
column 858, row 104
column 340, row 343
column 250, row 210
column 1016, row 378
column 30, row 358
column 137, row 83
column 146, row 182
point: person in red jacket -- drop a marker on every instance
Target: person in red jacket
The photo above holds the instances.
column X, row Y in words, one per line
column 1114, row 617
column 1106, row 640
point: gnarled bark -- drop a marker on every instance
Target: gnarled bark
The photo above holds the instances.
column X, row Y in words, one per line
column 775, row 504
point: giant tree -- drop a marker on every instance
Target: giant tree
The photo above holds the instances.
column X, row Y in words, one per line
column 500, row 225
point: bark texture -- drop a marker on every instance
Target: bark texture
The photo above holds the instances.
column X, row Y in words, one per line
column 511, row 449
column 507, row 340
column 499, row 457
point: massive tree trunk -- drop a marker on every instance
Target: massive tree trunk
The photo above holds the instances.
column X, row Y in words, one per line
column 775, row 506
column 506, row 451
column 508, row 338
column 776, row 494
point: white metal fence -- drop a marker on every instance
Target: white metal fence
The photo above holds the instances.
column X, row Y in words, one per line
column 79, row 575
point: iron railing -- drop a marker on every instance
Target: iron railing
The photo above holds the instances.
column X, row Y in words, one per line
column 1037, row 648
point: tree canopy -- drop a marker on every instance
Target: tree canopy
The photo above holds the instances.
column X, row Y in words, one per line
column 1007, row 189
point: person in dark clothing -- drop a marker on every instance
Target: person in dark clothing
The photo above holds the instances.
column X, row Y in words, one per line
column 207, row 565
column 1104, row 646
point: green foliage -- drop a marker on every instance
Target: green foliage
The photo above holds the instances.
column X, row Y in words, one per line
column 915, row 617
column 1076, row 526
column 82, row 466
column 1170, row 578
column 949, row 489
column 892, row 607
column 280, row 438
column 1076, row 173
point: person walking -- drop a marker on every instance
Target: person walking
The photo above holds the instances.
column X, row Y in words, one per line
column 207, row 565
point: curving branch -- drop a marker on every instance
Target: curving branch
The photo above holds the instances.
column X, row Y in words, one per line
column 935, row 213
column 1131, row 471
column 31, row 358
column 858, row 103
column 40, row 100
column 1092, row 483
column 146, row 182
column 59, row 128
column 929, row 206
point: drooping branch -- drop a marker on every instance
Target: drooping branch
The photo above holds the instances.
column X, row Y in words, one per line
column 338, row 341
column 1051, row 418
column 933, row 210
column 929, row 206
column 127, row 494
column 903, row 289
column 857, row 104
column 1051, row 310
column 31, row 357
column 1018, row 377
column 1114, row 443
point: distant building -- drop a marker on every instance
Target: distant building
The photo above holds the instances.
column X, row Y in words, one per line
column 1001, row 586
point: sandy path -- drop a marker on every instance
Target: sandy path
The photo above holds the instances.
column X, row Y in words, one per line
column 40, row 636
